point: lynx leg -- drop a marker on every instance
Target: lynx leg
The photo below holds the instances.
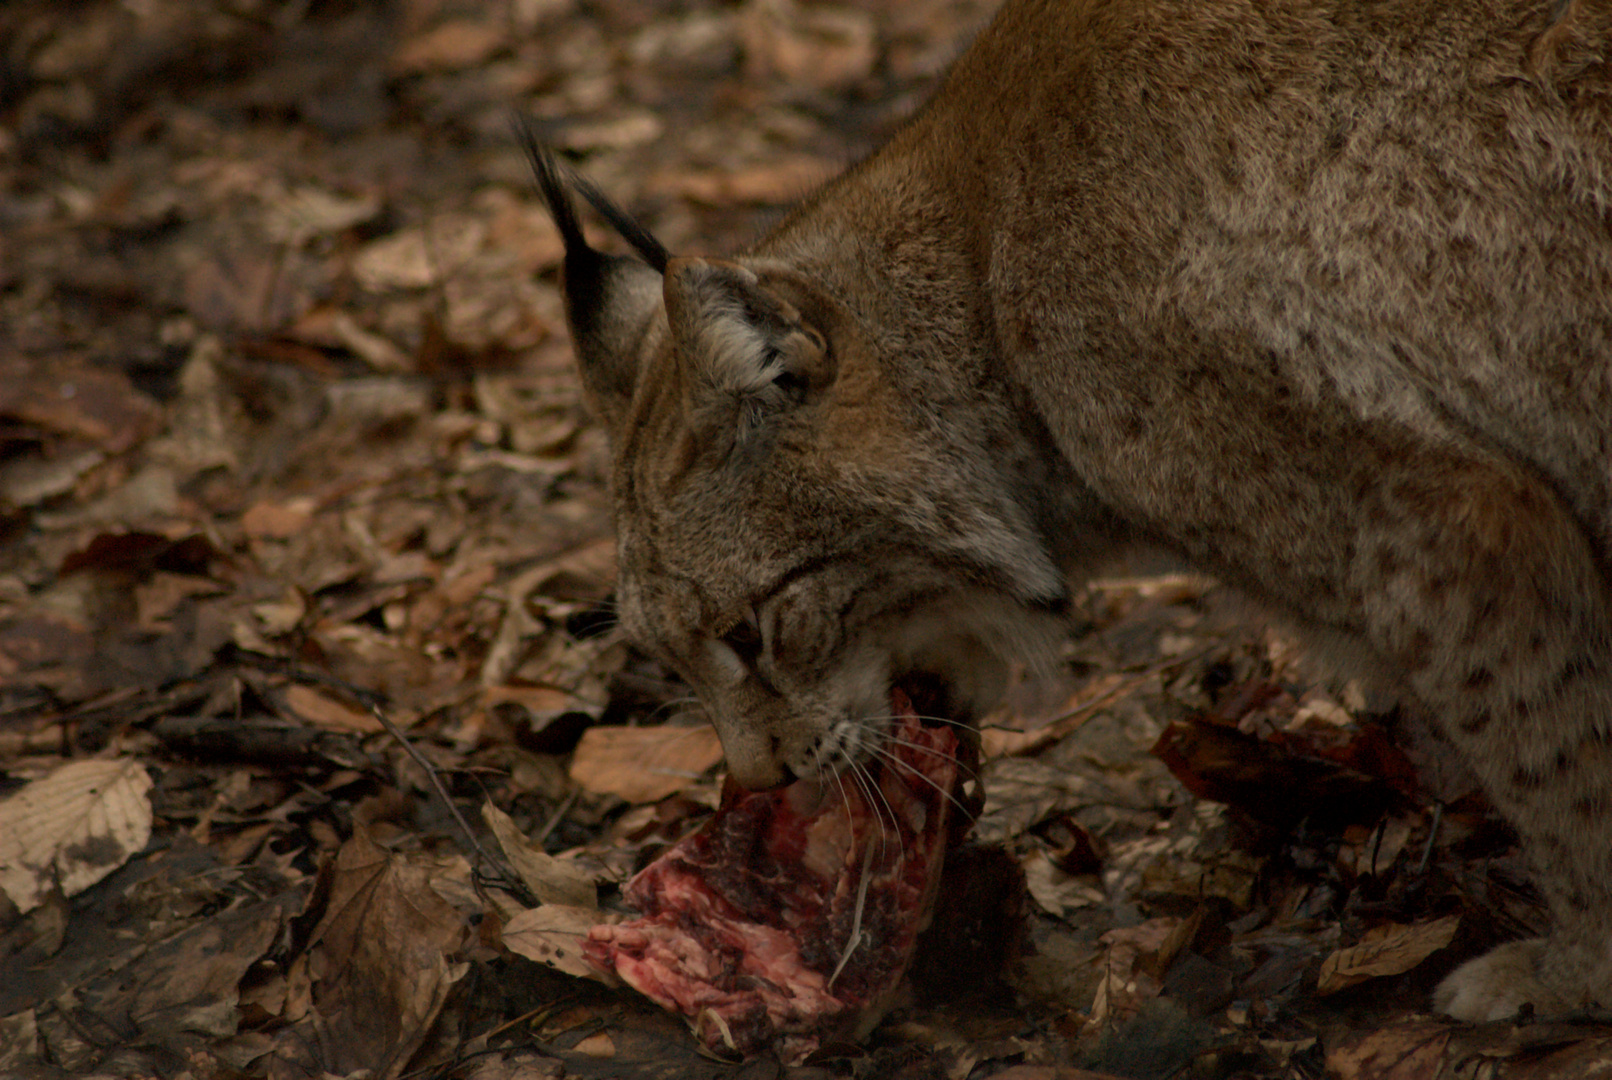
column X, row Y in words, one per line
column 1487, row 591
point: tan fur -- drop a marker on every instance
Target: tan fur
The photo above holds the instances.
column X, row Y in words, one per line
column 1315, row 293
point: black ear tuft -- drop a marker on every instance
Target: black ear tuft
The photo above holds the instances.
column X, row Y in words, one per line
column 641, row 239
column 612, row 302
column 556, row 182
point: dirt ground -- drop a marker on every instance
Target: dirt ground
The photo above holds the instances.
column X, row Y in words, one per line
column 291, row 451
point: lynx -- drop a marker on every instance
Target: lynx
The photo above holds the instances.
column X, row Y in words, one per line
column 1315, row 294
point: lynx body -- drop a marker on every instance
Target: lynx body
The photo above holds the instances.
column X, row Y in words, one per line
column 1316, row 294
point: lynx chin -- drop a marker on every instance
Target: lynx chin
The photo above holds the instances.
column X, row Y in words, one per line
column 1316, row 294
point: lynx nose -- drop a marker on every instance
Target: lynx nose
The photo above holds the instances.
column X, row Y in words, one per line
column 760, row 775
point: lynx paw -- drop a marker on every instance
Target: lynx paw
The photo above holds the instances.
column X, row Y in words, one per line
column 1499, row 983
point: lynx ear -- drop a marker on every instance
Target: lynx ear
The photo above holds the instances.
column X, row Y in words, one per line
column 754, row 353
column 611, row 302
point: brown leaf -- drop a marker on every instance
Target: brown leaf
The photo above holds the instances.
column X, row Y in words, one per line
column 552, row 935
column 1051, row 1072
column 1002, row 734
column 644, row 764
column 552, row 880
column 1385, row 950
column 380, row 963
column 44, row 641
column 189, row 982
column 452, row 46
column 1126, row 984
column 72, row 398
column 830, row 48
column 516, row 1065
column 1591, row 1058
column 278, row 520
column 326, row 711
column 1402, row 1052
column 156, row 600
column 29, row 481
column 1267, row 780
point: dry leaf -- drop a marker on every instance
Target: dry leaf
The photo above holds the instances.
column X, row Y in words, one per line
column 71, row 398
column 1002, row 734
column 830, row 48
column 278, row 520
column 308, row 212
column 597, row 1045
column 188, row 983
column 643, row 764
column 552, row 935
column 311, row 704
column 72, row 828
column 380, row 964
column 419, row 257
column 773, row 183
column 552, row 880
column 1054, row 891
column 515, row 1065
column 1402, row 1052
column 1374, row 851
column 1126, row 983
column 451, row 46
column 29, row 481
column 1051, row 1072
column 1385, row 950
column 1581, row 1061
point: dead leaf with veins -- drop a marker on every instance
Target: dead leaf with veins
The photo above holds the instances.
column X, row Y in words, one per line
column 70, row 829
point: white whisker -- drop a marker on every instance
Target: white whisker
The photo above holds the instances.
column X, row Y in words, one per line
column 875, row 798
column 893, row 759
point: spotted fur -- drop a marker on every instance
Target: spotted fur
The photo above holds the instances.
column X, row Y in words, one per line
column 1316, row 294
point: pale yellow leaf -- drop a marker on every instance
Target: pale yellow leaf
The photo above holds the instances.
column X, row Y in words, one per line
column 553, row 935
column 72, row 828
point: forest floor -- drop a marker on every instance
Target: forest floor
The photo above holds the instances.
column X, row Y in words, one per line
column 291, row 448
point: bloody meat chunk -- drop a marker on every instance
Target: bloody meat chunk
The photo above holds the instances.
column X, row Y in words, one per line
column 790, row 917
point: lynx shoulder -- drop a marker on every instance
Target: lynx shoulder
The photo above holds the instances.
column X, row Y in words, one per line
column 1315, row 294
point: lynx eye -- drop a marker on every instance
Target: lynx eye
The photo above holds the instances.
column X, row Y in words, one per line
column 738, row 650
column 744, row 638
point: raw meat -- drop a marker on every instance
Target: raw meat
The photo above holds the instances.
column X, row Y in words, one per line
column 790, row 917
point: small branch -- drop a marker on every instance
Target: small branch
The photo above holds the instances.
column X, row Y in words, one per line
column 436, row 781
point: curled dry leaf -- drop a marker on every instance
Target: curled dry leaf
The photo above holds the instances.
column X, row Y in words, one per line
column 1128, row 981
column 1055, row 891
column 72, row 828
column 552, row 880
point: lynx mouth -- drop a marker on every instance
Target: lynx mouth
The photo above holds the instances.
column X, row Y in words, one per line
column 933, row 699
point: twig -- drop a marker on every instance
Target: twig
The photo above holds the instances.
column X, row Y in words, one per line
column 558, row 816
column 436, row 780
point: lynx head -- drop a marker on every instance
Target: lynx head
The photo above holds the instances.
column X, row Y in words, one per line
column 803, row 521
